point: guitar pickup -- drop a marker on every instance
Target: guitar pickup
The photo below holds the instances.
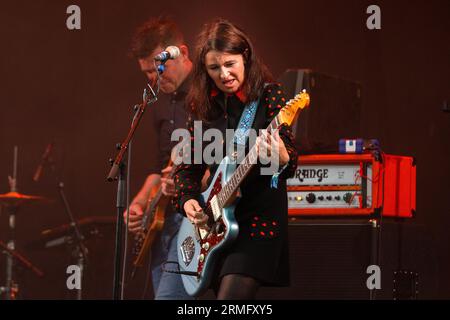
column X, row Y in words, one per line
column 217, row 211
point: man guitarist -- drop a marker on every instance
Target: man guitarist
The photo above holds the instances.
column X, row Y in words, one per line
column 168, row 114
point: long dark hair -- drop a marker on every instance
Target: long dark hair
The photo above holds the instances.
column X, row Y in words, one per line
column 221, row 35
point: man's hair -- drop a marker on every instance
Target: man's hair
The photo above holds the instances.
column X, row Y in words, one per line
column 155, row 32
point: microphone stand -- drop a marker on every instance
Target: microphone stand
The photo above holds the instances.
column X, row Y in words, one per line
column 118, row 173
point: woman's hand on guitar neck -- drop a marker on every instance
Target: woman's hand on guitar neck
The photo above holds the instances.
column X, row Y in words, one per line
column 135, row 218
column 194, row 213
column 271, row 148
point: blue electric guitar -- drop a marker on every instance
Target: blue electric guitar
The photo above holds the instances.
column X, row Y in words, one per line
column 200, row 248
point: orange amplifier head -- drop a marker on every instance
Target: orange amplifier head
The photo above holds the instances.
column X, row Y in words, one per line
column 353, row 185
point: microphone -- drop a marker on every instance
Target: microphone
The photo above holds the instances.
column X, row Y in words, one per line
column 171, row 52
column 44, row 159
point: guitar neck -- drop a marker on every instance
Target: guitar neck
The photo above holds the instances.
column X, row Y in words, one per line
column 149, row 213
column 243, row 169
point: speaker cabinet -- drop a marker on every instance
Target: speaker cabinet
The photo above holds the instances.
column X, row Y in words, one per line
column 329, row 260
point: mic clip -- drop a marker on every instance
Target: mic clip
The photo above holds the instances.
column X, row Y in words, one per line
column 161, row 67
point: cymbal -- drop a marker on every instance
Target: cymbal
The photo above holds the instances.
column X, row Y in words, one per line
column 90, row 227
column 82, row 223
column 13, row 198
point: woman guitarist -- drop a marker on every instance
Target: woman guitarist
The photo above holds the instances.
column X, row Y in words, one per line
column 227, row 75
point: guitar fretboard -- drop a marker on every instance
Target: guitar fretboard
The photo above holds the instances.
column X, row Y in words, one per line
column 243, row 169
column 148, row 216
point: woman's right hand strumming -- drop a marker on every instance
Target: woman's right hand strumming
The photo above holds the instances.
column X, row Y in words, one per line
column 194, row 213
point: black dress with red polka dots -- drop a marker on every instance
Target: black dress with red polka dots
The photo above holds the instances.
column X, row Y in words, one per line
column 261, row 248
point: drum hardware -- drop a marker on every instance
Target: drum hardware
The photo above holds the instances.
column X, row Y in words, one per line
column 11, row 201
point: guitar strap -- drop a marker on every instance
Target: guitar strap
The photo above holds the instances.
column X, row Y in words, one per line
column 245, row 123
column 242, row 132
column 243, row 129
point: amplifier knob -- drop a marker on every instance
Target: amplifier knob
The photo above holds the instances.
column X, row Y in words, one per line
column 320, row 198
column 337, row 198
column 329, row 198
column 348, row 197
column 311, row 197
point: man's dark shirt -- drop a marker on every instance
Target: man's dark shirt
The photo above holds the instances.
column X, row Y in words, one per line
column 168, row 114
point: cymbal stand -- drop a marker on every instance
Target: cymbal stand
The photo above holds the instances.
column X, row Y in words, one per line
column 80, row 251
column 11, row 289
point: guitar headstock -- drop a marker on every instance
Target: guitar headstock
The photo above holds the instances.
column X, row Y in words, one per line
column 299, row 102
